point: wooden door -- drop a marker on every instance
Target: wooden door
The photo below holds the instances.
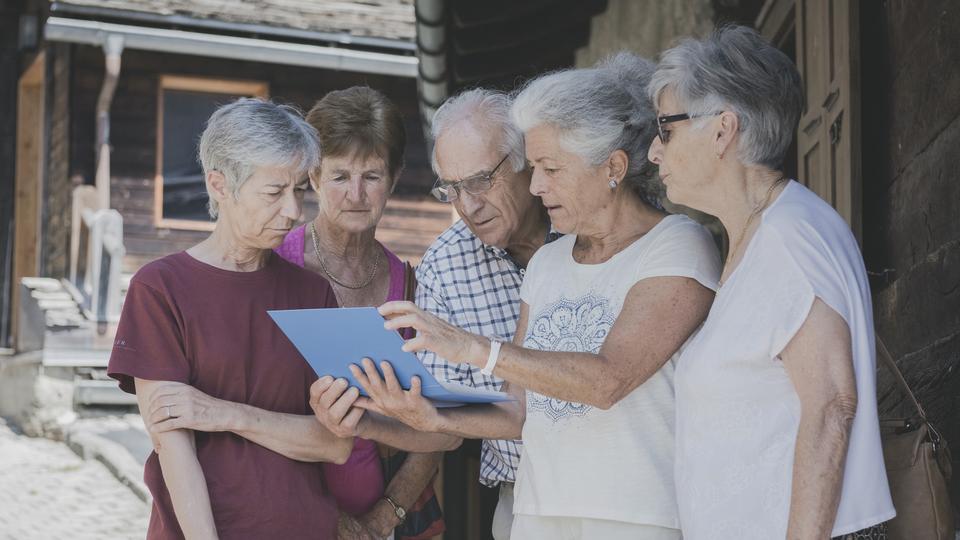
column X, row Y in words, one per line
column 28, row 190
column 828, row 139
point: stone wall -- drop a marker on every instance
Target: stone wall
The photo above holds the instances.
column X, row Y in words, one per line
column 645, row 27
column 911, row 184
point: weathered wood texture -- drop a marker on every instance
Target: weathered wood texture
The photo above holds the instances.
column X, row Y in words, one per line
column 55, row 255
column 391, row 19
column 911, row 90
column 133, row 137
column 29, row 166
column 9, row 73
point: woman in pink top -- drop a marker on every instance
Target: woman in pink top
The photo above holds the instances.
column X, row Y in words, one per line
column 362, row 141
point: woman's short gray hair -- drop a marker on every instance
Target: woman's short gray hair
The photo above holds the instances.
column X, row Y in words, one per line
column 597, row 111
column 250, row 133
column 492, row 109
column 737, row 70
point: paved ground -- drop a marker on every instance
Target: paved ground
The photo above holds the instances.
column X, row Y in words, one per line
column 47, row 491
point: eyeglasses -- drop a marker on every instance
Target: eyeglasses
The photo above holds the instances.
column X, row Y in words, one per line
column 449, row 191
column 661, row 120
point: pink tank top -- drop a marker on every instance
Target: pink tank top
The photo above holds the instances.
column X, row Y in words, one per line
column 357, row 484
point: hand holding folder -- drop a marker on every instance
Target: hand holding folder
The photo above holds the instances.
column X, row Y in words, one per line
column 332, row 339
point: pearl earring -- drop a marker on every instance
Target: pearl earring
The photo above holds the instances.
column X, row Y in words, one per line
column 613, row 184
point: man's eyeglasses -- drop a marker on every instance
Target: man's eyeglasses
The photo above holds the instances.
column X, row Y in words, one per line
column 447, row 191
column 661, row 120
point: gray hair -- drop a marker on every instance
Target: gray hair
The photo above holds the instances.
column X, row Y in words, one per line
column 737, row 70
column 486, row 108
column 597, row 111
column 250, row 133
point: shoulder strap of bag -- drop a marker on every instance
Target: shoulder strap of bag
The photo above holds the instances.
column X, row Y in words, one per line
column 410, row 282
column 884, row 355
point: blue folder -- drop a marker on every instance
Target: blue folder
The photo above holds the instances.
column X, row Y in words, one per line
column 332, row 339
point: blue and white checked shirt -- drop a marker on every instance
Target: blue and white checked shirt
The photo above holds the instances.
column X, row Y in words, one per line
column 477, row 288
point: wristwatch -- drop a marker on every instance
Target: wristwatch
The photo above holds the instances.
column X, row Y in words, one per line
column 397, row 509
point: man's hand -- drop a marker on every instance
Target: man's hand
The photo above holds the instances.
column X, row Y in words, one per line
column 333, row 405
column 349, row 528
column 181, row 406
column 380, row 520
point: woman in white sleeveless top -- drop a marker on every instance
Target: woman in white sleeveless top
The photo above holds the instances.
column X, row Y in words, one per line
column 605, row 310
column 777, row 430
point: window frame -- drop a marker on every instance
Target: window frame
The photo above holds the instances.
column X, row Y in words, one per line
column 189, row 83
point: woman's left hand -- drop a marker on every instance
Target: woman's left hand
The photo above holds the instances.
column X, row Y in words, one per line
column 388, row 398
column 333, row 403
column 181, row 406
column 433, row 334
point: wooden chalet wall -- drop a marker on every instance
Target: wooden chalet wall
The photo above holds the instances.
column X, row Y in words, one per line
column 58, row 186
column 410, row 223
column 911, row 188
column 9, row 74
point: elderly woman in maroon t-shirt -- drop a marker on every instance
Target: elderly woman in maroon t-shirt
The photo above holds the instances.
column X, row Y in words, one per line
column 223, row 392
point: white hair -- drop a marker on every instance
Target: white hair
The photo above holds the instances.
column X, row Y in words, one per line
column 484, row 108
column 736, row 70
column 597, row 111
column 250, row 133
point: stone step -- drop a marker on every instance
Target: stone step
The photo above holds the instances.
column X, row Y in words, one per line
column 96, row 392
column 76, row 358
column 42, row 284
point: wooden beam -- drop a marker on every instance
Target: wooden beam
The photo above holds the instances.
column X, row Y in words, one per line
column 28, row 183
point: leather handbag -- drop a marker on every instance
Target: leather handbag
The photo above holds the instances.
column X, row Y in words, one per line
column 918, row 468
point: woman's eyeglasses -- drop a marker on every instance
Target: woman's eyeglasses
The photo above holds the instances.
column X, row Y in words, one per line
column 669, row 119
column 449, row 191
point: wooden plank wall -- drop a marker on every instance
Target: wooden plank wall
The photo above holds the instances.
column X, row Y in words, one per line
column 58, row 188
column 410, row 224
column 9, row 73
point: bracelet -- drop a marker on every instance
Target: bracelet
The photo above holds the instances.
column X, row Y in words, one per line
column 493, row 357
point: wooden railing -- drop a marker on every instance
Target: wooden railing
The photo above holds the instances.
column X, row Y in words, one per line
column 96, row 253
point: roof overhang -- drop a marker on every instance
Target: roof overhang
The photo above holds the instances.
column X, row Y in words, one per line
column 231, row 47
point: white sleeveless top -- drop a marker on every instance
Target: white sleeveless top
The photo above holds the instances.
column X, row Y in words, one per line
column 577, row 460
column 737, row 411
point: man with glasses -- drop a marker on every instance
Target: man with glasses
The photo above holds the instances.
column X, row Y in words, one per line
column 471, row 275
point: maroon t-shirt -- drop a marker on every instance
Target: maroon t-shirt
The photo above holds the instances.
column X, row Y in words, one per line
column 187, row 321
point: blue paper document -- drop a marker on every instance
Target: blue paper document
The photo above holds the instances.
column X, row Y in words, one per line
column 332, row 339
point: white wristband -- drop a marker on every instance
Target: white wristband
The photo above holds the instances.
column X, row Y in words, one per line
column 492, row 358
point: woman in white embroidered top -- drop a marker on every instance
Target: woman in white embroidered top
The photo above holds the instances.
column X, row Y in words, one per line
column 777, row 430
column 605, row 310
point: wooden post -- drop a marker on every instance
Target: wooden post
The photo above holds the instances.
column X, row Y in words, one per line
column 28, row 191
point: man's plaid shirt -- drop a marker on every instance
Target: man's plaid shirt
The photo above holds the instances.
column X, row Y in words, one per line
column 476, row 288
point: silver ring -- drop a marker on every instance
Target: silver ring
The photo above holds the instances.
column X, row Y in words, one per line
column 168, row 412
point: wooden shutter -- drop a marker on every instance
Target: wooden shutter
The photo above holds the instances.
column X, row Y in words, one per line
column 828, row 139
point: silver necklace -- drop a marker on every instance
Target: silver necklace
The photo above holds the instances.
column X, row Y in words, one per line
column 746, row 224
column 335, row 279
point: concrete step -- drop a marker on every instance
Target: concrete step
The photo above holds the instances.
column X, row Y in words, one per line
column 76, row 358
column 96, row 392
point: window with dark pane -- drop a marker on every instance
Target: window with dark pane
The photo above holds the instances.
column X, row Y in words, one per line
column 185, row 114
